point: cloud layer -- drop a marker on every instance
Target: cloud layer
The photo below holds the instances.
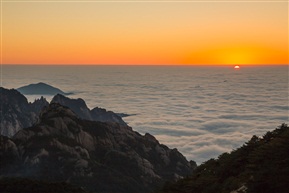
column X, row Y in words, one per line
column 201, row 111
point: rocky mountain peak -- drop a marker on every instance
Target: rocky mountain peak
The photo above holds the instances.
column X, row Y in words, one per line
column 55, row 110
column 12, row 96
column 59, row 98
column 94, row 149
column 80, row 108
column 17, row 113
column 38, row 104
column 87, row 153
column 77, row 105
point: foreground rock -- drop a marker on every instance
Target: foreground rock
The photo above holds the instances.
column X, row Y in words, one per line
column 20, row 185
column 40, row 89
column 100, row 157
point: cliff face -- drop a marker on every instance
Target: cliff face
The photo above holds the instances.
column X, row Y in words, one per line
column 80, row 108
column 102, row 157
column 17, row 113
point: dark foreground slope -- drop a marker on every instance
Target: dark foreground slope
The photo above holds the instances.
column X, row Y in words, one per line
column 259, row 166
column 98, row 156
column 22, row 185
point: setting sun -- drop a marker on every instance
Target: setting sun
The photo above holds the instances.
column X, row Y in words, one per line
column 154, row 33
column 236, row 67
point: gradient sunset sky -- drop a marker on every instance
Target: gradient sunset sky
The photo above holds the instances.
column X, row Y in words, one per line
column 144, row 32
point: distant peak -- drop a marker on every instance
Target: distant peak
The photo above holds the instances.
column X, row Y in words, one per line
column 40, row 89
column 40, row 83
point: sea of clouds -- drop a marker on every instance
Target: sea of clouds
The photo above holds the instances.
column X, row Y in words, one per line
column 201, row 111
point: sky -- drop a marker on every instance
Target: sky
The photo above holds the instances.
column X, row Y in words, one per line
column 144, row 32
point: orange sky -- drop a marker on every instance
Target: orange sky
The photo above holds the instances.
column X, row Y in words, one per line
column 144, row 32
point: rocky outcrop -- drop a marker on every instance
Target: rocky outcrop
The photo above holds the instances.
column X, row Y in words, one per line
column 101, row 157
column 9, row 156
column 16, row 112
column 80, row 108
column 40, row 89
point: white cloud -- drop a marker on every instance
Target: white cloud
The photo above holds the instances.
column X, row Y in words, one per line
column 200, row 111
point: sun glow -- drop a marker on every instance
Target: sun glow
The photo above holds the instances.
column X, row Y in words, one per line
column 145, row 33
column 238, row 57
column 246, row 53
column 237, row 67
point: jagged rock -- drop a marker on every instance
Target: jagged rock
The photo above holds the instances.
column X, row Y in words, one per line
column 80, row 108
column 40, row 89
column 76, row 105
column 38, row 104
column 16, row 112
column 101, row 157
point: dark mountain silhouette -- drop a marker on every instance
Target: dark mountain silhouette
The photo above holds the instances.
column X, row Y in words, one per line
column 80, row 108
column 98, row 156
column 40, row 89
column 17, row 112
column 259, row 166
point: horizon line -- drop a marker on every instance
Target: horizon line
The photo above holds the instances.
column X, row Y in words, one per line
column 144, row 1
column 145, row 64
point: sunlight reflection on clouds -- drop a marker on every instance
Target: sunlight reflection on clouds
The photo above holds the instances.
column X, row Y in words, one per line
column 201, row 111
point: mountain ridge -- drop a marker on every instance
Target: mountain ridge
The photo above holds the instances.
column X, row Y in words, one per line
column 17, row 113
column 99, row 156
